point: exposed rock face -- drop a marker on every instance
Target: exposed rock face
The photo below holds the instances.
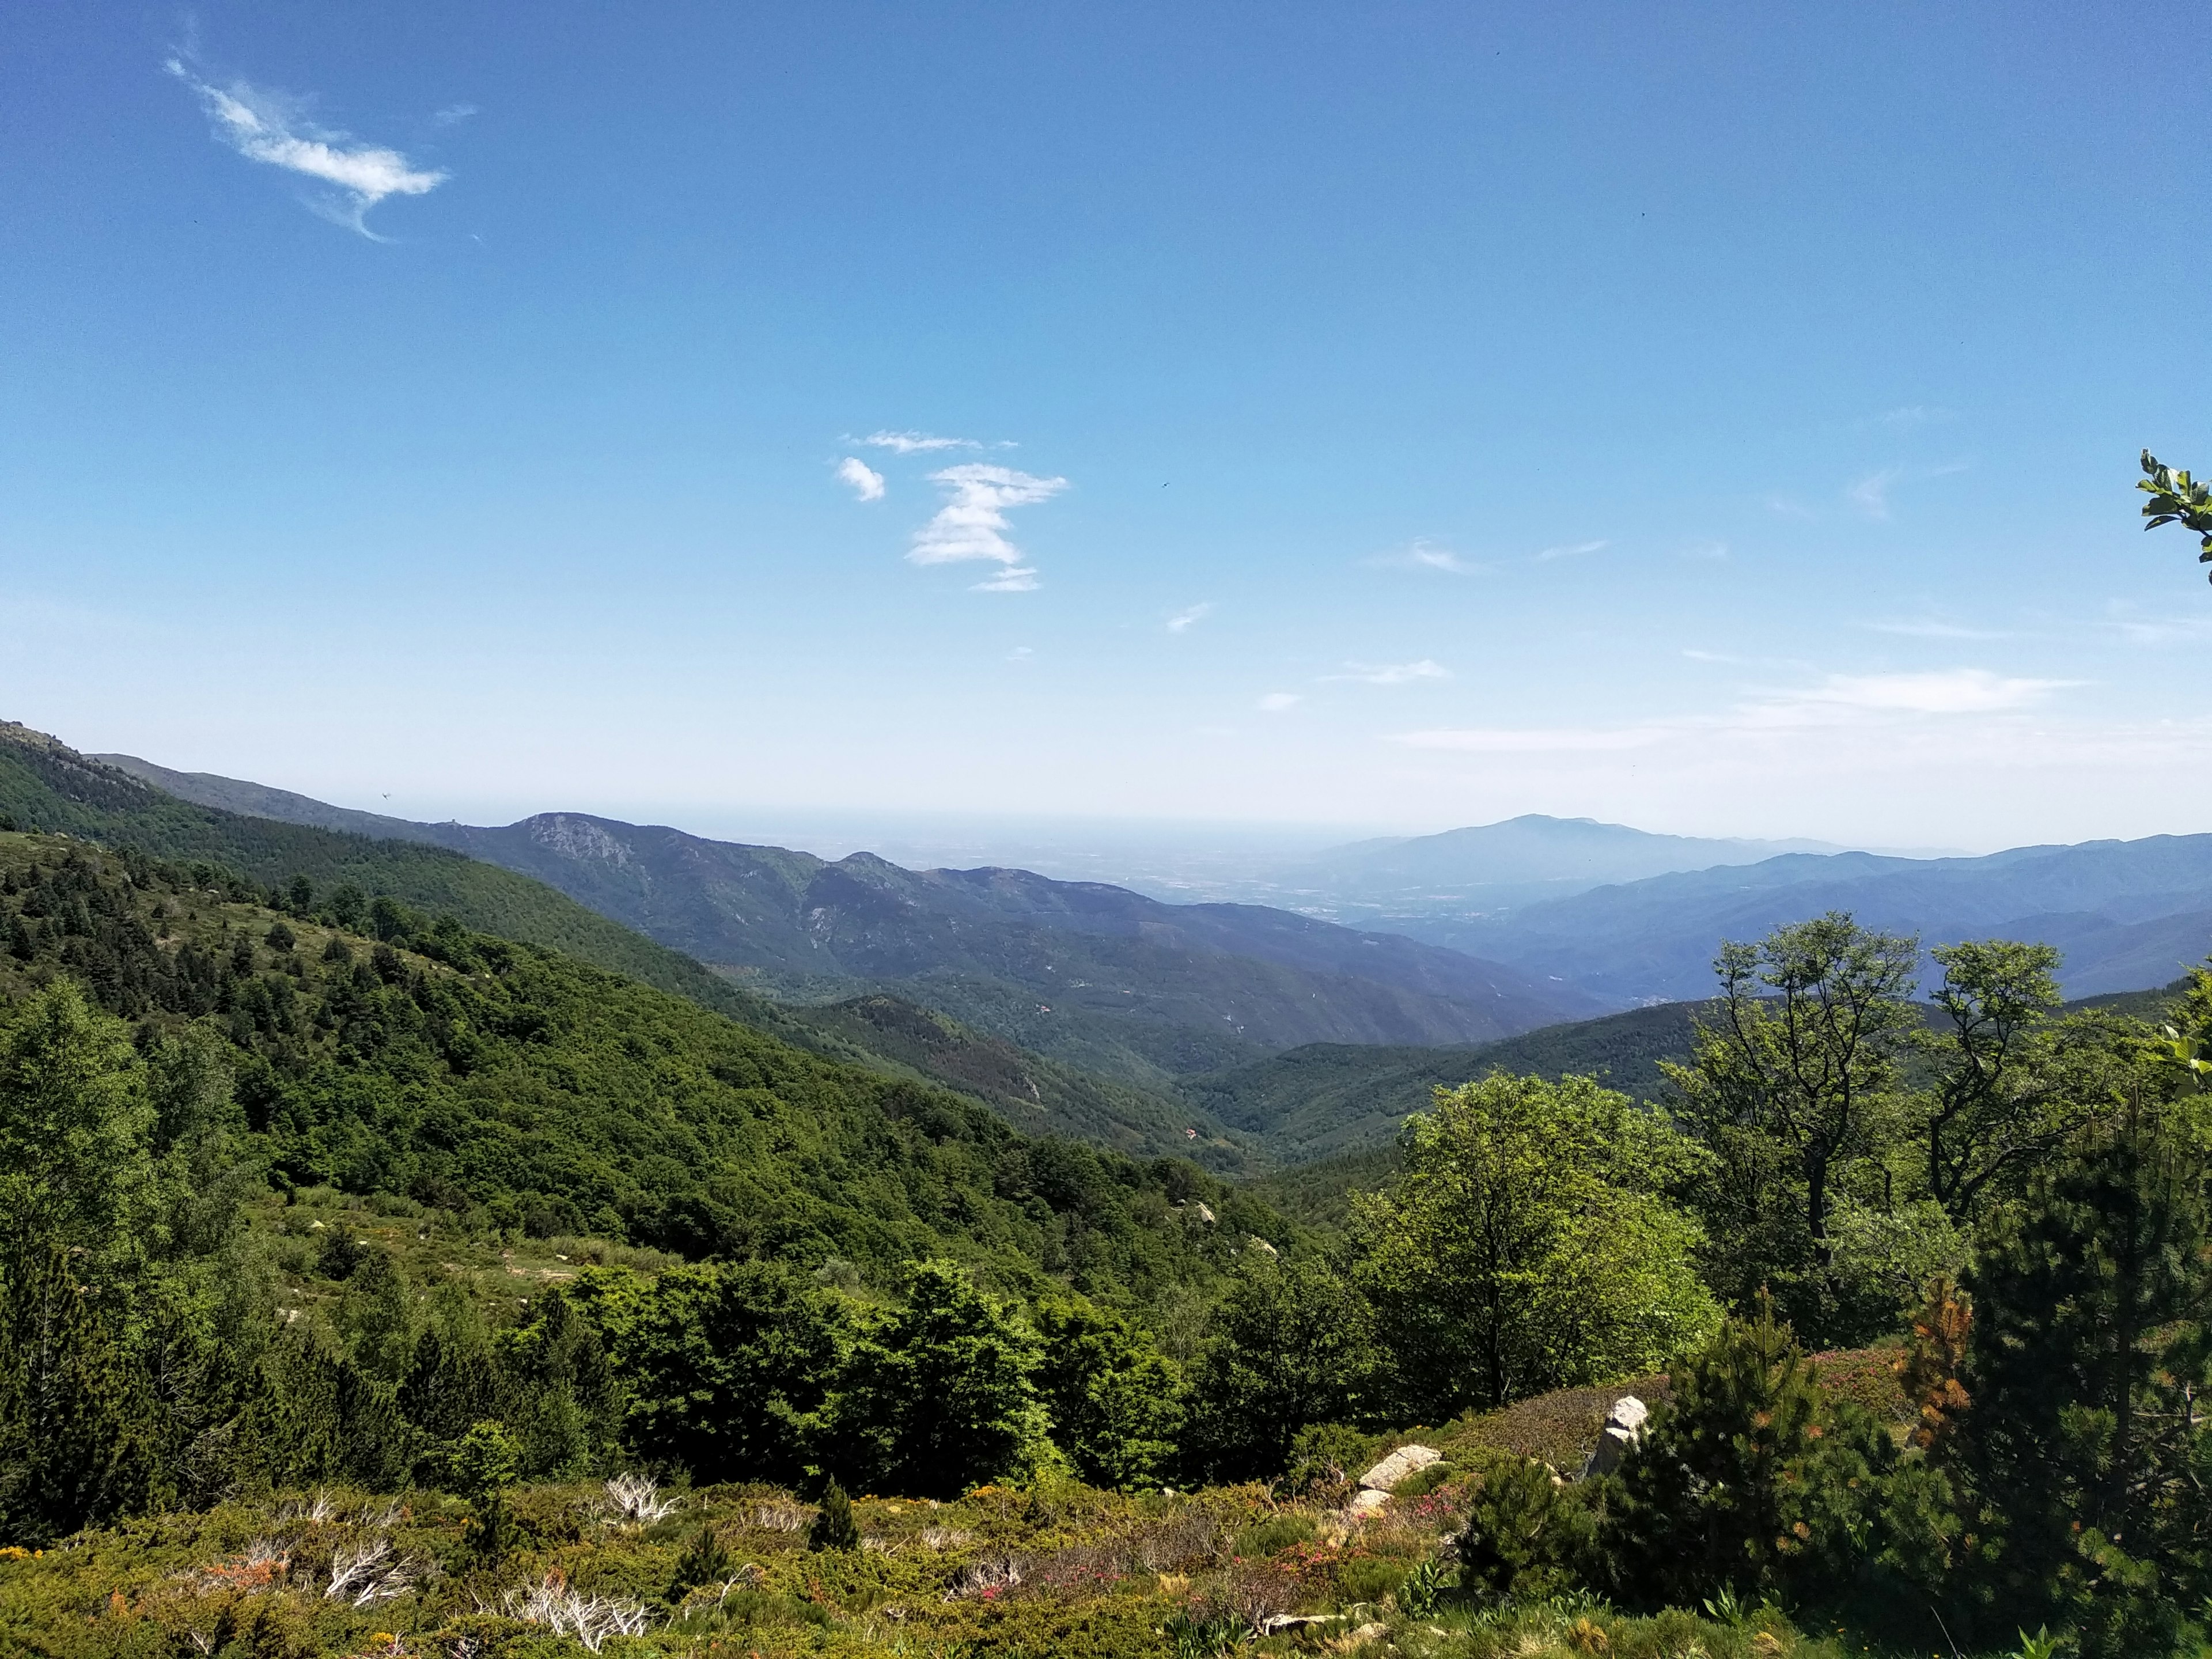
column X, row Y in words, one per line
column 1366, row 1503
column 1385, row 1476
column 1623, row 1427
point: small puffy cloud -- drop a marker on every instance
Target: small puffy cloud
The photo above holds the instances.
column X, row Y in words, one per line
column 268, row 127
column 916, row 443
column 1392, row 673
column 972, row 524
column 1020, row 653
column 867, row 484
column 1423, row 555
column 1183, row 620
column 1569, row 550
column 1278, row 702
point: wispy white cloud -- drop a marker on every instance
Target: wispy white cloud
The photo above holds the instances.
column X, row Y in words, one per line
column 972, row 523
column 453, row 115
column 867, row 484
column 1870, row 495
column 1707, row 550
column 1896, row 704
column 1278, row 702
column 1572, row 550
column 1425, row 554
column 913, row 443
column 2167, row 630
column 1532, row 740
column 1929, row 628
column 269, row 127
column 1392, row 673
column 1020, row 653
column 1911, row 415
column 1182, row 621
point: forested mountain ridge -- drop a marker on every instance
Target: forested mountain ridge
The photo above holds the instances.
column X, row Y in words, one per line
column 2125, row 913
column 44, row 783
column 474, row 1073
column 1092, row 974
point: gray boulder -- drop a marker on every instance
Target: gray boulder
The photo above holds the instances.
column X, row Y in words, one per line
column 1623, row 1427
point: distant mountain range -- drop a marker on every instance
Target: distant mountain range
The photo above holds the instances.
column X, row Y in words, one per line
column 1519, row 860
column 1093, row 974
column 2124, row 914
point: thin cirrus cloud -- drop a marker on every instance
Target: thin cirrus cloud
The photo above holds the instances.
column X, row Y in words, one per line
column 1870, row 493
column 1183, row 620
column 1278, row 702
column 1939, row 691
column 268, row 127
column 867, row 484
column 1929, row 628
column 1421, row 554
column 1570, row 550
column 916, row 443
column 1392, row 673
column 1836, row 700
column 972, row 524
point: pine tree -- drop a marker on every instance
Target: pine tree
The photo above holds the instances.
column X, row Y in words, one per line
column 1751, row 1481
column 706, row 1560
column 2085, row 1447
column 834, row 1527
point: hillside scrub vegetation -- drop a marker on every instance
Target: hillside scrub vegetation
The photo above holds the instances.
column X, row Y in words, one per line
column 594, row 1308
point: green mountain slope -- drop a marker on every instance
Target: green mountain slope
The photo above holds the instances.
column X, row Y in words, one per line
column 467, row 1071
column 1327, row 1098
column 45, row 784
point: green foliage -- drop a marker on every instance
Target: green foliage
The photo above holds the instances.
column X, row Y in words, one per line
column 1114, row 1399
column 707, row 1560
column 725, row 1368
column 1526, row 1536
column 938, row 1395
column 2175, row 498
column 1792, row 1079
column 76, row 1171
column 2085, row 1450
column 1750, row 1480
column 1290, row 1350
column 1527, row 1246
column 833, row 1527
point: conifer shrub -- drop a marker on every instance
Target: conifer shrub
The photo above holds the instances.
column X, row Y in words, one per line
column 1752, row 1481
column 1526, row 1536
column 705, row 1562
column 834, row 1527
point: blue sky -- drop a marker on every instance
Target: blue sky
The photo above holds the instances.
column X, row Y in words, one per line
column 1719, row 419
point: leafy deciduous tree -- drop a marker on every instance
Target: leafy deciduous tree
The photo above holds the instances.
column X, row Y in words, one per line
column 1525, row 1248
